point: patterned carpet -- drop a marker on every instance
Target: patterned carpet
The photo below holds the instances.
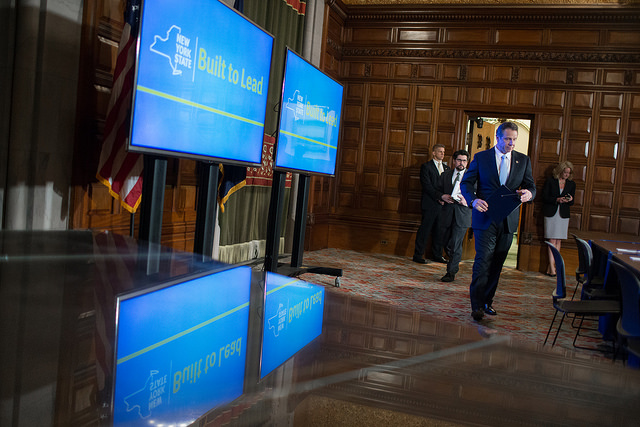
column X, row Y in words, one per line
column 523, row 300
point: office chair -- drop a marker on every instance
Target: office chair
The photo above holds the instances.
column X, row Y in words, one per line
column 628, row 326
column 580, row 308
column 592, row 287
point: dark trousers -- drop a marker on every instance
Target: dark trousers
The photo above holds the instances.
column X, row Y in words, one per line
column 429, row 226
column 454, row 237
column 492, row 248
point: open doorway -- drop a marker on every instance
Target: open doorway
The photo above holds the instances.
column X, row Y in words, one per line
column 481, row 135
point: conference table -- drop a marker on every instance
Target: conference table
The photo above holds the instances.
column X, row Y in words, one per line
column 626, row 252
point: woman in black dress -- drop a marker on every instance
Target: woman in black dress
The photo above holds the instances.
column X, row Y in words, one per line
column 557, row 195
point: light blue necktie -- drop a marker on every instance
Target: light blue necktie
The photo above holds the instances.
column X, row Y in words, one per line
column 504, row 169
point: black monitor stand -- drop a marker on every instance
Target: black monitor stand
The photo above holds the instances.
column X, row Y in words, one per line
column 154, row 176
column 207, row 208
column 273, row 232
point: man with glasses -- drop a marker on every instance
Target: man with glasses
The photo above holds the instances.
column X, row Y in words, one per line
column 455, row 217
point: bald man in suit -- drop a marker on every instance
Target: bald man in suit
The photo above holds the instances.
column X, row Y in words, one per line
column 493, row 240
column 431, row 205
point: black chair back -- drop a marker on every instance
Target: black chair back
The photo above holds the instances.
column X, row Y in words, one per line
column 581, row 271
column 561, row 280
column 630, row 288
column 585, row 259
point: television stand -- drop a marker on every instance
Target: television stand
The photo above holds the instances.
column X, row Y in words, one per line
column 291, row 271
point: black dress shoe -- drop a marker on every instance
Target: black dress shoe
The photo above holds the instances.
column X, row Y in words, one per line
column 489, row 310
column 419, row 260
column 439, row 259
column 477, row 315
column 448, row 277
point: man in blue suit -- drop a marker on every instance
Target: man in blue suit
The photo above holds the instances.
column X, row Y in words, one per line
column 489, row 170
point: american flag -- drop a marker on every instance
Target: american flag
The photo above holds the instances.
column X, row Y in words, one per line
column 118, row 169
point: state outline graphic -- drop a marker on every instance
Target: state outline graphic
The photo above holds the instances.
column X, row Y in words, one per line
column 274, row 327
column 174, row 67
column 291, row 100
column 138, row 398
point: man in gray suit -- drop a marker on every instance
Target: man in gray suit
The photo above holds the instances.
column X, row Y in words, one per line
column 455, row 216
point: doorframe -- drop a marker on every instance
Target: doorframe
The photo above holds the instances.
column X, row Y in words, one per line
column 473, row 114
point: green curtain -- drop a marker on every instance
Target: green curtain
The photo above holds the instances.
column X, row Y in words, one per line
column 287, row 26
column 245, row 215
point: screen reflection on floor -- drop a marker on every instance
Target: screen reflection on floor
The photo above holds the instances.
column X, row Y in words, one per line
column 306, row 354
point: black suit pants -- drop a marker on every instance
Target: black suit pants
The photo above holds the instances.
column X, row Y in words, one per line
column 454, row 237
column 429, row 226
column 492, row 248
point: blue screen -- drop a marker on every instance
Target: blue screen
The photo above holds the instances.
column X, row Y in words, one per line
column 292, row 319
column 310, row 114
column 201, row 83
column 181, row 350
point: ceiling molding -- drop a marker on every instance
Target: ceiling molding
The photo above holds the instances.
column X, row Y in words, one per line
column 507, row 15
column 532, row 3
column 450, row 53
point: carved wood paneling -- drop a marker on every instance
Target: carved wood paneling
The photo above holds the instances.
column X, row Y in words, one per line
column 450, row 94
column 526, row 37
column 418, row 75
column 526, row 98
column 632, row 153
column 93, row 207
column 583, row 100
column 573, row 38
column 410, row 35
column 554, row 99
column 474, row 95
column 464, row 36
column 623, row 38
column 499, row 96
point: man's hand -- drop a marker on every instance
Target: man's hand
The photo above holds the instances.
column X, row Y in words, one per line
column 462, row 201
column 480, row 205
column 447, row 198
column 525, row 195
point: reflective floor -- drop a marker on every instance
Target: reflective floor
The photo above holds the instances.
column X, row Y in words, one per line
column 372, row 364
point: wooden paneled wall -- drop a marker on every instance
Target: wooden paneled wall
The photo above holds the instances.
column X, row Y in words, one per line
column 92, row 206
column 413, row 76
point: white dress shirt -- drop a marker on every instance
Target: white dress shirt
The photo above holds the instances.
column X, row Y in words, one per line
column 456, row 193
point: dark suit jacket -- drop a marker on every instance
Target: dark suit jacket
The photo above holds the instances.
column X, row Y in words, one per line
column 453, row 211
column 429, row 179
column 551, row 191
column 481, row 180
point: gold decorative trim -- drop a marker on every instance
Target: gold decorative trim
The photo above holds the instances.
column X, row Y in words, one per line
column 618, row 58
column 485, row 2
column 622, row 16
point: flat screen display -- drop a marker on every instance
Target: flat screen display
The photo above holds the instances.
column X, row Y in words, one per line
column 292, row 319
column 181, row 349
column 201, row 82
column 310, row 112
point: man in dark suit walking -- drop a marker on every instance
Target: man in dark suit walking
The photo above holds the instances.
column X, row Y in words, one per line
column 455, row 217
column 431, row 203
column 489, row 170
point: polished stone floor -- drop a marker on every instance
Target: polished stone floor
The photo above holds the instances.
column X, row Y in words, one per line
column 372, row 364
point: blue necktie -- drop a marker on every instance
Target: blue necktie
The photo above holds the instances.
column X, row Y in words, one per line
column 504, row 169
